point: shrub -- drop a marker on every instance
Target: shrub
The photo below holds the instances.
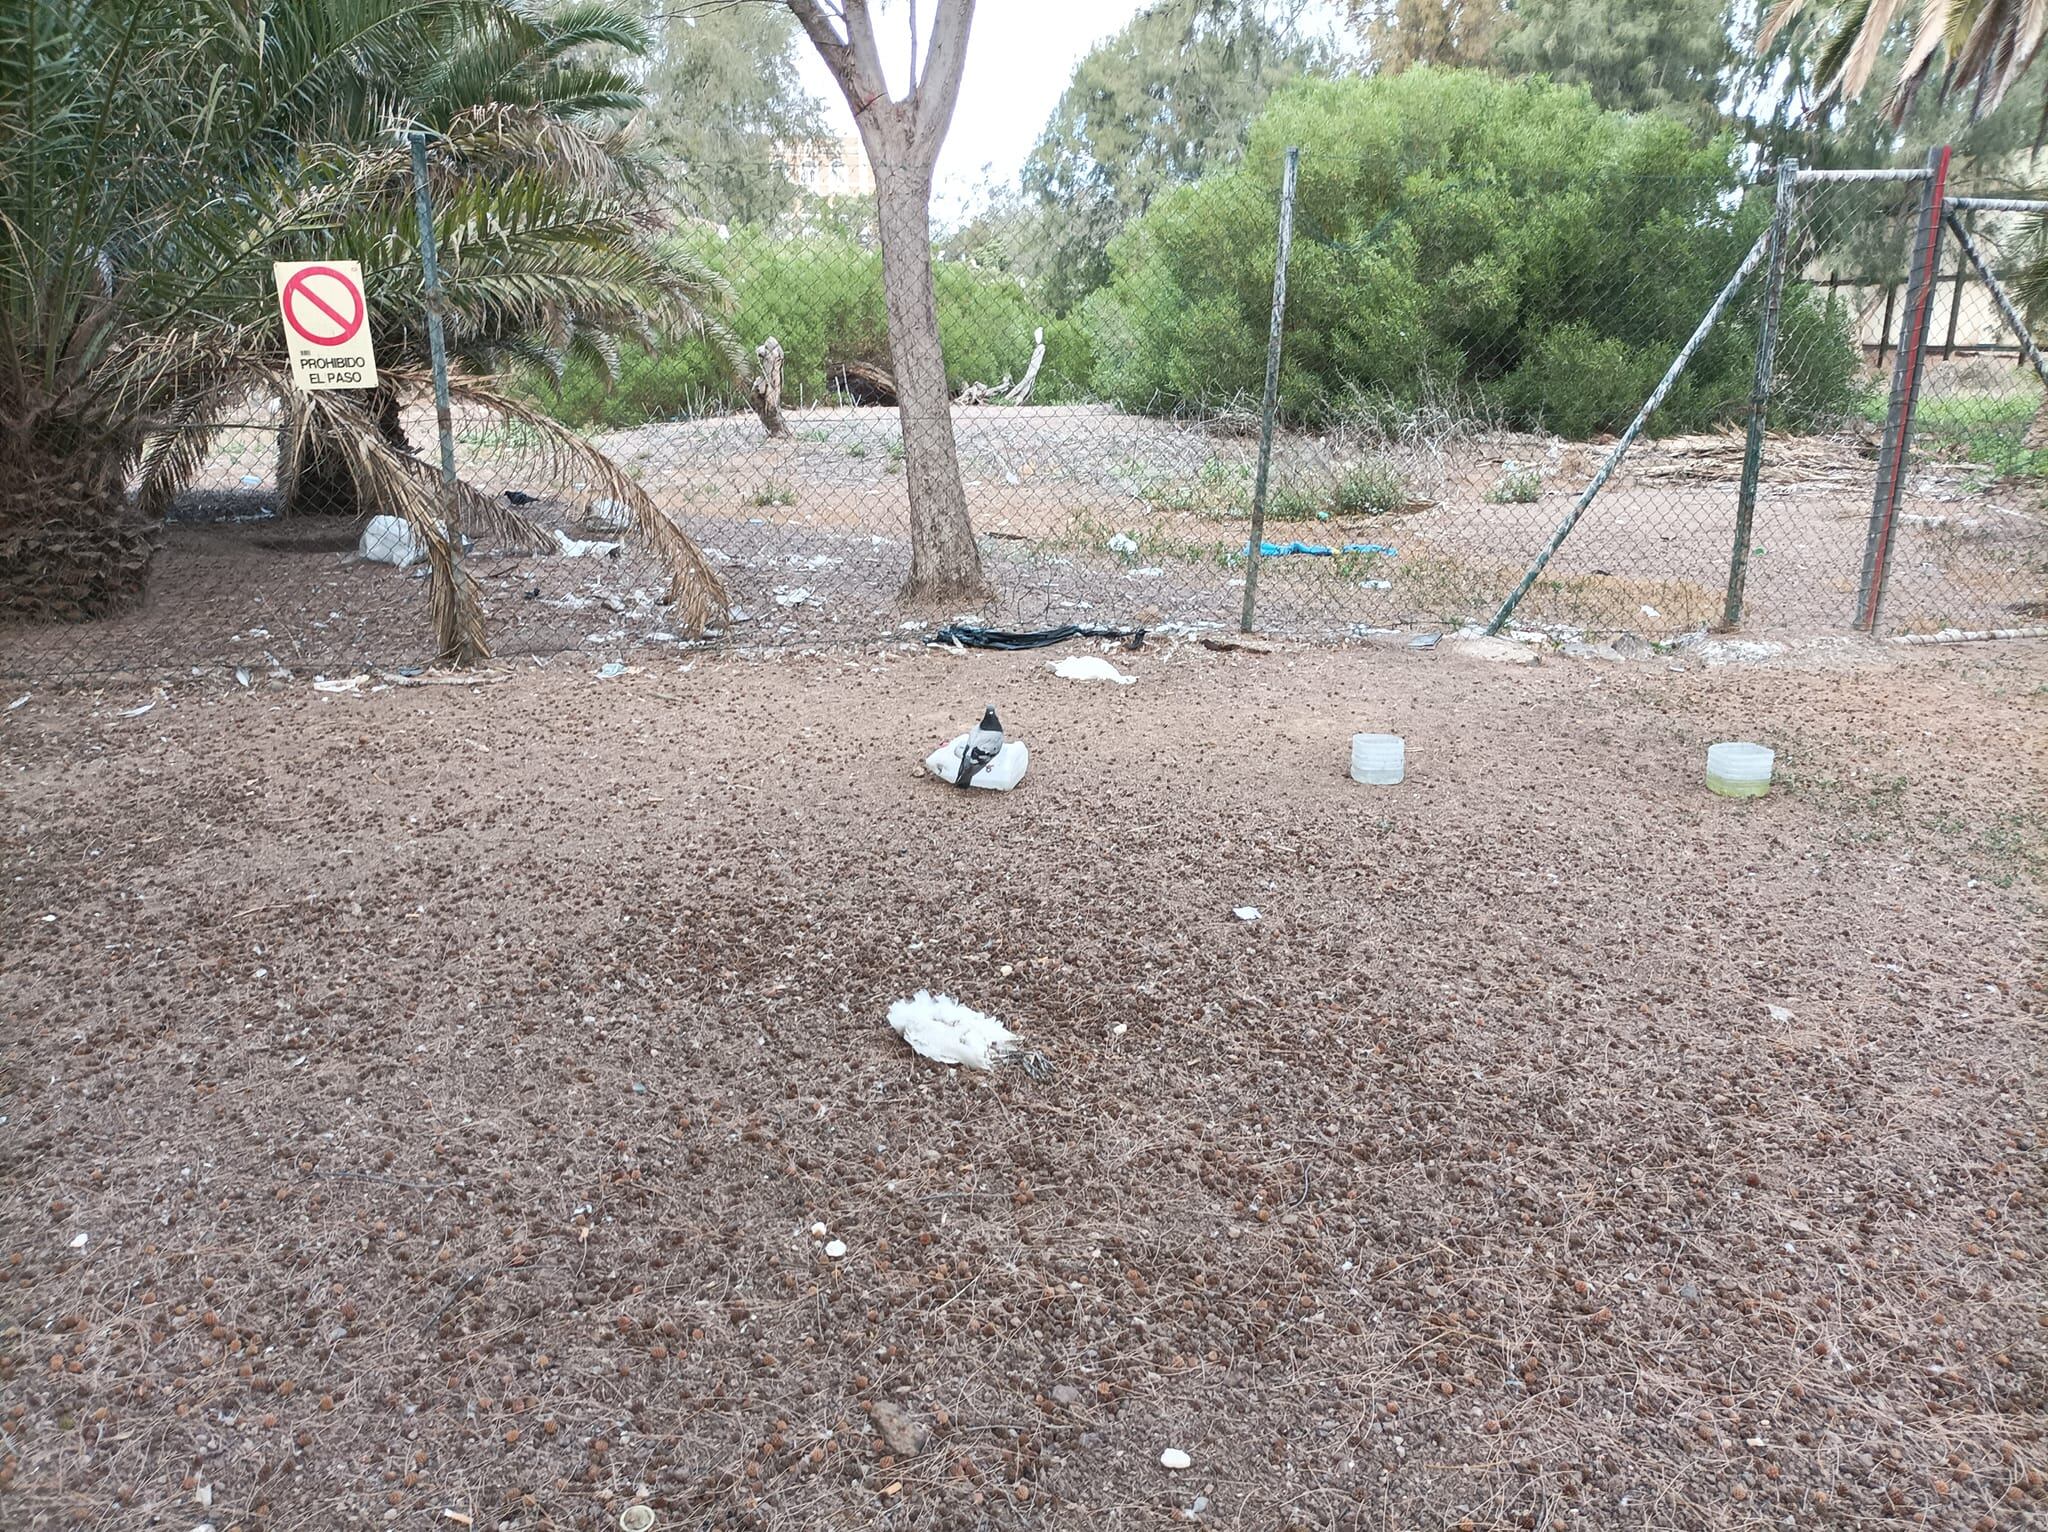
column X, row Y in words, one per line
column 1505, row 240
column 1516, row 486
column 1371, row 488
column 819, row 293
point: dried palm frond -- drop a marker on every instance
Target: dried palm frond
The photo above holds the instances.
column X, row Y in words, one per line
column 695, row 591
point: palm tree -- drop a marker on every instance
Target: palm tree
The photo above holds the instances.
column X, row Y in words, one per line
column 164, row 152
column 1988, row 46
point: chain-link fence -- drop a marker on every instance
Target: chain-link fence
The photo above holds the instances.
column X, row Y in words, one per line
column 1461, row 383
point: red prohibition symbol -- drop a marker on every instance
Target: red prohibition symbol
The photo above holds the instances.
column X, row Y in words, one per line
column 324, row 319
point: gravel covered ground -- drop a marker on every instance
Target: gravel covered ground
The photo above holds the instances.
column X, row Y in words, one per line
column 434, row 1108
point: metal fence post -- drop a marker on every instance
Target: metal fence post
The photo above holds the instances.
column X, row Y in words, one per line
column 1760, row 387
column 437, row 342
column 1906, row 372
column 1272, row 400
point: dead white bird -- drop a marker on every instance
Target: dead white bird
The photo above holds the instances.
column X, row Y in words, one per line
column 941, row 1029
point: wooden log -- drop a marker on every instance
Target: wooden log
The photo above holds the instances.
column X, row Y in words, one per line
column 862, row 382
column 1021, row 394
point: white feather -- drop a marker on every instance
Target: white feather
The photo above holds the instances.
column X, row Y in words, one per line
column 941, row 1029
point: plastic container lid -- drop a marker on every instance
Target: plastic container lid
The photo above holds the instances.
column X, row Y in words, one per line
column 1740, row 761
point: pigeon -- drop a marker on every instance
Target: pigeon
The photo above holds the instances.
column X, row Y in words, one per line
column 519, row 497
column 984, row 744
column 941, row 1029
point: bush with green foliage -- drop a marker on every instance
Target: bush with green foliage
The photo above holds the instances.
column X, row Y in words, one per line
column 1452, row 228
column 819, row 293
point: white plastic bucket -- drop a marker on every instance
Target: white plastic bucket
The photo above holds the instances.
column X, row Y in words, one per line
column 1738, row 769
column 1378, row 759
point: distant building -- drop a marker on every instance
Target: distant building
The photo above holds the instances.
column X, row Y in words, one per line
column 828, row 167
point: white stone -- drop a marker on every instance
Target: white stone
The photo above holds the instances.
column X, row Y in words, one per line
column 836, row 1249
column 1175, row 1459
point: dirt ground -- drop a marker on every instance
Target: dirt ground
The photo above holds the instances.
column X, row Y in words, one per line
column 431, row 1108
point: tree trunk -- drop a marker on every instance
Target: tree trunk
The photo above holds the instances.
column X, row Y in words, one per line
column 945, row 564
column 71, row 546
column 766, row 390
column 322, row 484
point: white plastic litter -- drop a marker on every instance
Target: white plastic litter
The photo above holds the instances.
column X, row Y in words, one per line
column 1380, row 759
column 391, row 540
column 1246, row 912
column 608, row 514
column 941, row 1029
column 339, row 683
column 835, row 1250
column 999, row 775
column 1120, row 543
column 1090, row 667
column 574, row 548
column 1739, row 769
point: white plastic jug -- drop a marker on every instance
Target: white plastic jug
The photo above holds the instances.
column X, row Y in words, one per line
column 1379, row 759
column 1738, row 769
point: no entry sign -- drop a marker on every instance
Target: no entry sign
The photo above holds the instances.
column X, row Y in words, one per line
column 326, row 324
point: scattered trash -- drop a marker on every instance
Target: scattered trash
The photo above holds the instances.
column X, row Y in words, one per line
column 1090, row 667
column 941, row 1029
column 1481, row 647
column 1779, row 1013
column 968, row 636
column 251, row 480
column 792, row 595
column 203, row 1497
column 18, row 701
column 1317, row 550
column 1425, row 640
column 981, row 758
column 608, row 515
column 1174, row 1460
column 1119, row 543
column 1650, row 611
column 351, row 684
column 573, row 548
column 391, row 540
column 137, row 712
column 1246, row 912
column 242, row 676
column 78, row 1241
column 819, row 1231
column 1375, row 584
column 611, row 668
column 1380, row 760
column 637, row 1518
column 835, row 1249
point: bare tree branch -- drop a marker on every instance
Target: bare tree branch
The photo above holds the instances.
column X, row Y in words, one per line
column 938, row 90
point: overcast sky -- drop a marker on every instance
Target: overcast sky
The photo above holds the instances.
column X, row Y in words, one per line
column 1020, row 56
